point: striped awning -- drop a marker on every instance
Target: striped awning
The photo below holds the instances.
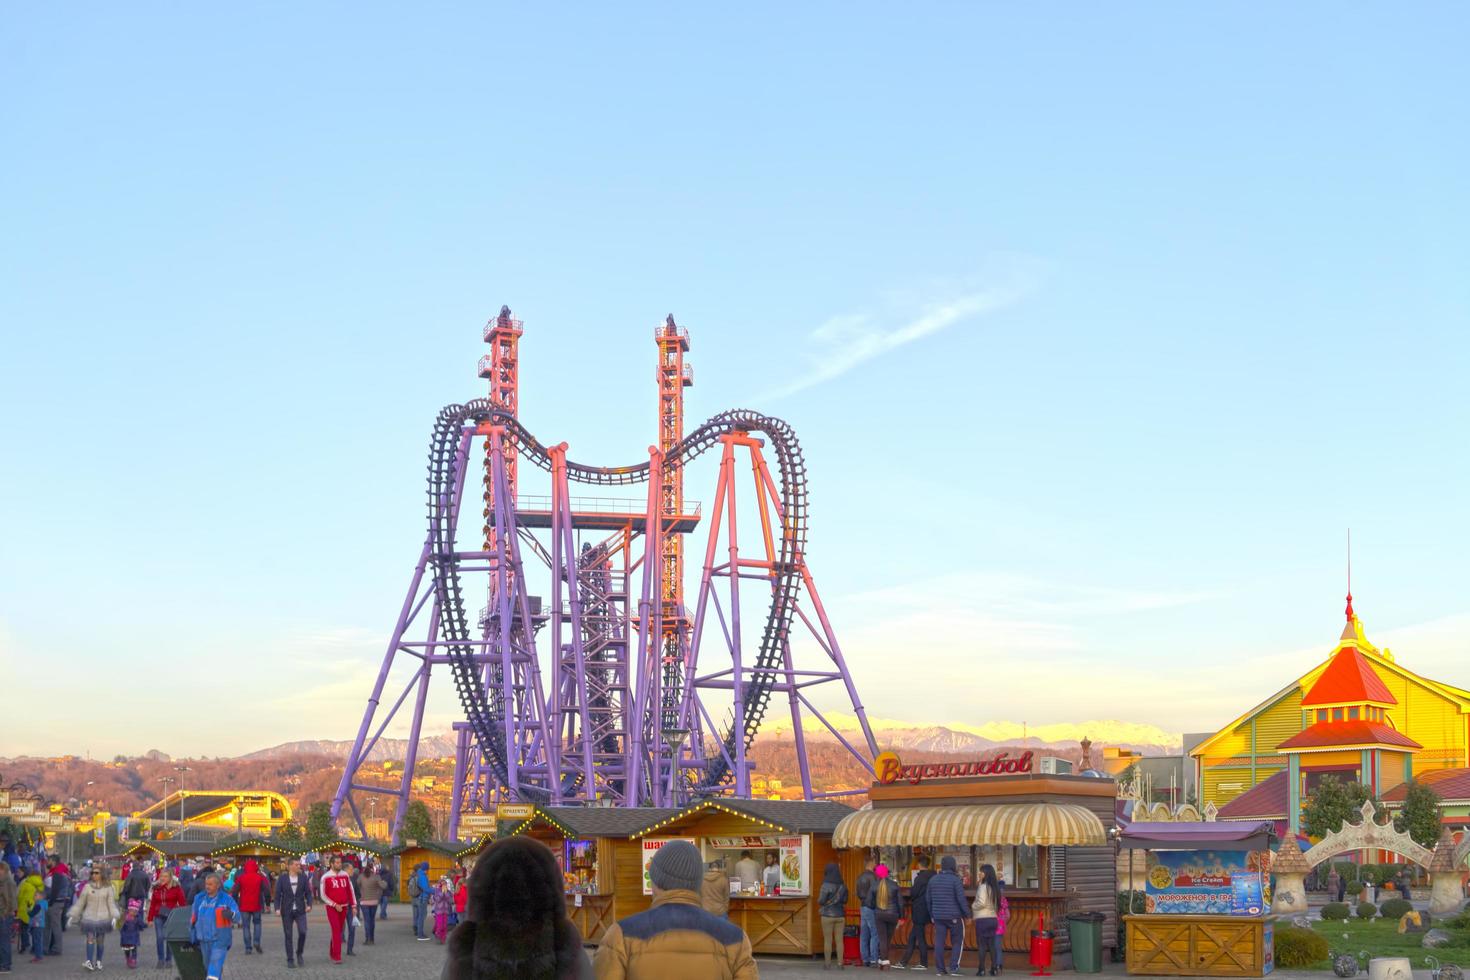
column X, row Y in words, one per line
column 960, row 826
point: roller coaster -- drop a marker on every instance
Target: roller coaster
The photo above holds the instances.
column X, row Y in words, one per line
column 628, row 719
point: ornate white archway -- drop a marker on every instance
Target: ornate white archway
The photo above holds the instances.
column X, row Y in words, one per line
column 1368, row 834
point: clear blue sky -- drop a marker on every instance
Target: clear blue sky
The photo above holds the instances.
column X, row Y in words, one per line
column 1100, row 325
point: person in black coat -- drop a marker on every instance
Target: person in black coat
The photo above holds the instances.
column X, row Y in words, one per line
column 516, row 925
column 293, row 902
column 919, row 910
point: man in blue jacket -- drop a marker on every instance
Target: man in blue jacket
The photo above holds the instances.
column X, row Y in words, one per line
column 420, row 891
column 212, row 925
column 948, row 909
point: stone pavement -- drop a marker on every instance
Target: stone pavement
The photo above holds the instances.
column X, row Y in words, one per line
column 397, row 954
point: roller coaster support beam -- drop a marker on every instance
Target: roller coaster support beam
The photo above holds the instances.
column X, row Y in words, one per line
column 569, row 713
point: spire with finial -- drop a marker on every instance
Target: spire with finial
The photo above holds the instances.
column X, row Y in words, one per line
column 1350, row 616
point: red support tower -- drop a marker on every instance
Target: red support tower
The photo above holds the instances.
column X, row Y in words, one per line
column 502, row 367
column 673, row 377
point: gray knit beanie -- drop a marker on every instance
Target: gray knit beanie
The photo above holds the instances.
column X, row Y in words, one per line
column 676, row 865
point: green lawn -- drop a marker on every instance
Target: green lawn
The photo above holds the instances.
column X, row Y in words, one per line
column 1380, row 937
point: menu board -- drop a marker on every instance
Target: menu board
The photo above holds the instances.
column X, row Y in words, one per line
column 650, row 848
column 1205, row 883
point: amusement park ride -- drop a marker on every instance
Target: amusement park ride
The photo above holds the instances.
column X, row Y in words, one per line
column 585, row 678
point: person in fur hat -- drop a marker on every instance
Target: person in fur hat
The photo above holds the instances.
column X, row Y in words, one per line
column 516, row 925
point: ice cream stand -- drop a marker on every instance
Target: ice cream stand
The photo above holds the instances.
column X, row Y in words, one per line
column 1207, row 899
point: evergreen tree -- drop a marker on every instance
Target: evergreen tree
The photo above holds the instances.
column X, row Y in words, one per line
column 319, row 826
column 417, row 824
column 1333, row 804
column 1420, row 817
column 290, row 832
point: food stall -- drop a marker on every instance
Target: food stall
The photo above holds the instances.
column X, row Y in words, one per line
column 439, row 854
column 1046, row 835
column 267, row 852
column 584, row 840
column 168, row 852
column 784, row 918
column 1207, row 899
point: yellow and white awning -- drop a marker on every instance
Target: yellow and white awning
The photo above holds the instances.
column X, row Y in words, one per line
column 1050, row 824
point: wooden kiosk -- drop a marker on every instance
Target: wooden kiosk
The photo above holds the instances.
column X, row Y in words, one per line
column 440, row 856
column 1207, row 900
column 781, row 920
column 585, row 841
column 1046, row 835
column 256, row 848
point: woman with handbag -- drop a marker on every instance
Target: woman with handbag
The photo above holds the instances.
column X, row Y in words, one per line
column 986, row 913
column 96, row 909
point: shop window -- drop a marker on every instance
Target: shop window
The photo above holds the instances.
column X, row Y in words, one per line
column 1321, row 714
column 1057, row 873
column 1337, row 714
column 1352, row 714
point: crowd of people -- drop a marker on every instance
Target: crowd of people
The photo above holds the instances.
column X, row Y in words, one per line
column 41, row 898
column 504, row 920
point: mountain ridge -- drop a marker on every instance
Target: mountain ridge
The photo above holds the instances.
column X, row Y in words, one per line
column 951, row 738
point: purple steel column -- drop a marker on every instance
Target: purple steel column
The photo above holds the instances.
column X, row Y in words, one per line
column 638, row 726
column 837, row 658
column 405, row 617
column 564, row 549
column 727, row 477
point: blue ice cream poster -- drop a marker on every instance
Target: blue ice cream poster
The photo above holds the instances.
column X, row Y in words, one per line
column 1205, row 883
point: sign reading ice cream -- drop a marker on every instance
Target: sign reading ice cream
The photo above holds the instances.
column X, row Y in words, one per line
column 1205, row 883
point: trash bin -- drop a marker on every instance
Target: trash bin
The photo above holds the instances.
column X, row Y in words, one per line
column 187, row 958
column 1085, row 931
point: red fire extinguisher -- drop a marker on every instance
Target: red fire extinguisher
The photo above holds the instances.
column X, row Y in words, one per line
column 1041, row 944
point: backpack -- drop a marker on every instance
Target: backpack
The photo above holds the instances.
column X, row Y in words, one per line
column 414, row 888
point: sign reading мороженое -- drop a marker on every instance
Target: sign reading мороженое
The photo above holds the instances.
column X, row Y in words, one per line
column 889, row 769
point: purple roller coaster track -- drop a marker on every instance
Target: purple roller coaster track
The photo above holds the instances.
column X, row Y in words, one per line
column 639, row 708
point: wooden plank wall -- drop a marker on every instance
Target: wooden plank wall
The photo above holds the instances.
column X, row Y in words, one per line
column 1092, row 872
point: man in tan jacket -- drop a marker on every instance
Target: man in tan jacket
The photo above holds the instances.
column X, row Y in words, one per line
column 675, row 938
column 715, row 893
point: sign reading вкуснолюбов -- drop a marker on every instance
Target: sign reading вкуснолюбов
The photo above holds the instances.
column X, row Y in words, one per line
column 889, row 769
column 1205, row 883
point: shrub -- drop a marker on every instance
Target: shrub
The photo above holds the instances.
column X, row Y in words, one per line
column 1395, row 908
column 1355, row 888
column 1367, row 910
column 1335, row 911
column 1297, row 948
column 1458, row 922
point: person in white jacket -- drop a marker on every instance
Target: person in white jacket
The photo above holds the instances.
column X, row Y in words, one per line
column 96, row 909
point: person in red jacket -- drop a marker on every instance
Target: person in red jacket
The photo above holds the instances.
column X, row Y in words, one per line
column 461, row 899
column 165, row 897
column 253, row 895
column 341, row 901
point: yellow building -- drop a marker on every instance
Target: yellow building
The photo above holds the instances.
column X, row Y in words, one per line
column 1358, row 715
column 259, row 810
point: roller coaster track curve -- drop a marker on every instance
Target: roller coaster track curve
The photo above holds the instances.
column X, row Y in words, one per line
column 454, row 626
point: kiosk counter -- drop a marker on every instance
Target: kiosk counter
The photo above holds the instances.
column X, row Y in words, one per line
column 789, row 842
column 1207, row 900
column 586, row 842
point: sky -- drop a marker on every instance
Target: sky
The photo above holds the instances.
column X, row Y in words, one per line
column 1100, row 327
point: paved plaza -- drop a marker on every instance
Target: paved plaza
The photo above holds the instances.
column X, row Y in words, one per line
column 398, row 955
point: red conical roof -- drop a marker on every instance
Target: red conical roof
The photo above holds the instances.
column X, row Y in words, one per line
column 1349, row 679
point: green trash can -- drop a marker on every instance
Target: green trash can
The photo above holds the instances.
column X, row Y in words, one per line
column 187, row 958
column 1085, row 930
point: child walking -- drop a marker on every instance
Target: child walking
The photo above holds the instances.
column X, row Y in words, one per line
column 132, row 928
column 38, row 926
column 443, row 905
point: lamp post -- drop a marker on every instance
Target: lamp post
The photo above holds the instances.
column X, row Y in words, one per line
column 675, row 738
column 183, row 819
column 165, row 780
column 373, row 810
